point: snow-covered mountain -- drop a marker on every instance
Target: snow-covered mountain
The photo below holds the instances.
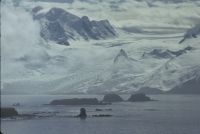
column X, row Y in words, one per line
column 60, row 26
column 145, row 52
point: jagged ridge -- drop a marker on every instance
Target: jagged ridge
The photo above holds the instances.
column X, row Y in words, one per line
column 60, row 26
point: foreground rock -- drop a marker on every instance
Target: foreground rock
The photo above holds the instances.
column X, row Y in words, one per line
column 82, row 114
column 8, row 112
column 78, row 101
column 112, row 98
column 139, row 97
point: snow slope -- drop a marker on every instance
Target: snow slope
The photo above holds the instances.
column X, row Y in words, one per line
column 32, row 66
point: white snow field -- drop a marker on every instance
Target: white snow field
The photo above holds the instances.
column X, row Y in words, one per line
column 29, row 65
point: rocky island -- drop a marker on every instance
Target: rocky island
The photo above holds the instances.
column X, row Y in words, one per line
column 78, row 101
column 139, row 97
column 112, row 98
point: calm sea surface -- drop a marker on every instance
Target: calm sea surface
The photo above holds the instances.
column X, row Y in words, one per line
column 172, row 114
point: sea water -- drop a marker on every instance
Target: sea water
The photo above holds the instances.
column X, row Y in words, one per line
column 171, row 114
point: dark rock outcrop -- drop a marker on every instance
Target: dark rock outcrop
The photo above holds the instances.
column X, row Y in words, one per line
column 182, row 51
column 8, row 112
column 191, row 33
column 82, row 114
column 149, row 90
column 36, row 9
column 102, row 115
column 112, row 98
column 55, row 33
column 122, row 54
column 98, row 109
column 191, row 86
column 139, row 97
column 59, row 25
column 78, row 101
column 159, row 53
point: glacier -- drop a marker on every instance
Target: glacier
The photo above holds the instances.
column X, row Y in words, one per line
column 31, row 65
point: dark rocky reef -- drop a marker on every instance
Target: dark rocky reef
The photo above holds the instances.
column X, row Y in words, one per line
column 150, row 90
column 59, row 25
column 112, row 98
column 102, row 115
column 191, row 86
column 98, row 109
column 159, row 53
column 8, row 112
column 78, row 101
column 83, row 114
column 139, row 97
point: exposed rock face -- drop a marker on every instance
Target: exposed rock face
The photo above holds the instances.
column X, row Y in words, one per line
column 139, row 97
column 191, row 33
column 189, row 87
column 180, row 52
column 123, row 55
column 8, row 112
column 159, row 53
column 112, row 98
column 82, row 114
column 36, row 15
column 77, row 101
column 55, row 33
column 59, row 25
column 36, row 9
column 149, row 90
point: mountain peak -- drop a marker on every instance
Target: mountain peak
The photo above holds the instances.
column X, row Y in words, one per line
column 59, row 25
column 121, row 53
